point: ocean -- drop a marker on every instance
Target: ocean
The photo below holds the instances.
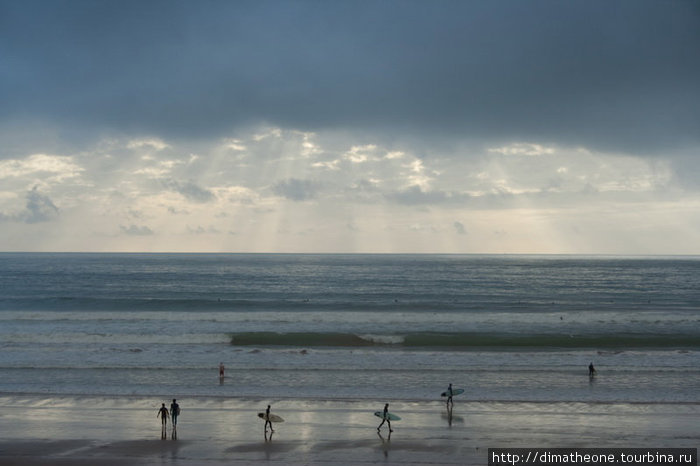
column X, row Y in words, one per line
column 351, row 327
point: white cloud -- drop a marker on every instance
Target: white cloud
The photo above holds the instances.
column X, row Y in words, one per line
column 346, row 196
column 361, row 154
column 159, row 169
column 418, row 174
column 521, row 148
column 234, row 144
column 267, row 133
column 154, row 143
column 396, row 154
column 57, row 167
column 328, row 165
column 308, row 147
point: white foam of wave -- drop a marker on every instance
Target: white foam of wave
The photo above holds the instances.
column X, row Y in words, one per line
column 383, row 339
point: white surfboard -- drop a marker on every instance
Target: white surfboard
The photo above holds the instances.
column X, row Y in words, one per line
column 455, row 391
column 389, row 416
column 273, row 417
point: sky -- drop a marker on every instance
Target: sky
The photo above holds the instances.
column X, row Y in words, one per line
column 386, row 126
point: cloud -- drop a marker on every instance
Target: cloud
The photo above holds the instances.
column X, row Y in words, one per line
column 200, row 230
column 360, row 154
column 39, row 208
column 296, row 190
column 189, row 190
column 54, row 167
column 534, row 118
column 177, row 211
column 135, row 230
column 360, row 207
column 154, row 143
column 523, row 149
column 619, row 77
column 414, row 195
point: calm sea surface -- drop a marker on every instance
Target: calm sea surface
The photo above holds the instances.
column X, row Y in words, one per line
column 510, row 328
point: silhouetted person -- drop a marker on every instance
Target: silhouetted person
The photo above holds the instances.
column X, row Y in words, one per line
column 174, row 412
column 385, row 418
column 221, row 370
column 163, row 414
column 449, row 396
column 267, row 419
column 591, row 370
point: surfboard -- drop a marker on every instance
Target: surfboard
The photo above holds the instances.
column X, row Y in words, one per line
column 273, row 417
column 389, row 416
column 455, row 391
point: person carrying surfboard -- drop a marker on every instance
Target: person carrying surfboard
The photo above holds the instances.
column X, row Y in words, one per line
column 385, row 418
column 174, row 412
column 449, row 396
column 267, row 420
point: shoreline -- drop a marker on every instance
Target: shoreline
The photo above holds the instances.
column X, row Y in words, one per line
column 333, row 399
column 116, row 431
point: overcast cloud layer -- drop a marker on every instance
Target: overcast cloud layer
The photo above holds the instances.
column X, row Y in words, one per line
column 356, row 126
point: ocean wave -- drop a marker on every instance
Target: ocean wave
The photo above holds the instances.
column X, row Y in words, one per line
column 465, row 340
column 69, row 338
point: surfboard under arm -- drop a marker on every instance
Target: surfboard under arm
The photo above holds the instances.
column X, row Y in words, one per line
column 455, row 391
column 273, row 417
column 389, row 416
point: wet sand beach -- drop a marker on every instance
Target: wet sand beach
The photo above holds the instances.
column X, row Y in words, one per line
column 125, row 431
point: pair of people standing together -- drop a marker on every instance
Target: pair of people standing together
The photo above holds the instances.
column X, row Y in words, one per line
column 164, row 414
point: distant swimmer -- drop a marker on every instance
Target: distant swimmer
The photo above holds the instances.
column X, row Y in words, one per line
column 174, row 411
column 591, row 370
column 385, row 418
column 221, row 370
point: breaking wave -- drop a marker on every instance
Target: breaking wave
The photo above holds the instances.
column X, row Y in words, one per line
column 465, row 340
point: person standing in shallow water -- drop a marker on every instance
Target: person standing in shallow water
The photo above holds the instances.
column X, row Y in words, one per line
column 449, row 396
column 385, row 418
column 591, row 370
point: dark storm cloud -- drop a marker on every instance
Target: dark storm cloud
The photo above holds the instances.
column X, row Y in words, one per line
column 616, row 75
